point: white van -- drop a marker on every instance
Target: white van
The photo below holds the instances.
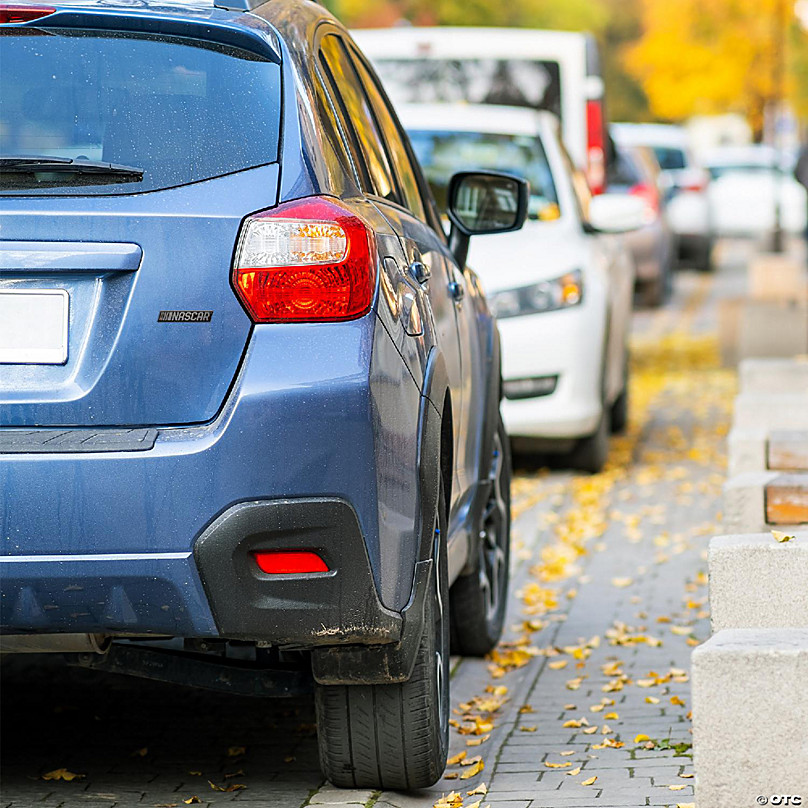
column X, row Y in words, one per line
column 558, row 71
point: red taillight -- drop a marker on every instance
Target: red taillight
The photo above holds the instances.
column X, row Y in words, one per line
column 12, row 14
column 696, row 187
column 311, row 260
column 595, row 146
column 648, row 193
column 289, row 562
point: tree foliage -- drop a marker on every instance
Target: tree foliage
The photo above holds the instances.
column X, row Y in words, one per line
column 572, row 15
column 713, row 56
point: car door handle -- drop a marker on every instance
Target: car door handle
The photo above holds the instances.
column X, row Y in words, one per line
column 457, row 291
column 420, row 272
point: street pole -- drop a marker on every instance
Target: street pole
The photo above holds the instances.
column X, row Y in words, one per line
column 779, row 90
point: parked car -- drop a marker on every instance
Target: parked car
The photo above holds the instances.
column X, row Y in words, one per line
column 748, row 183
column 560, row 289
column 249, row 392
column 687, row 183
column 556, row 71
column 635, row 171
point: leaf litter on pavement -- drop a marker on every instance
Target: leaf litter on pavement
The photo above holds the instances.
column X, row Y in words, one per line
column 677, row 371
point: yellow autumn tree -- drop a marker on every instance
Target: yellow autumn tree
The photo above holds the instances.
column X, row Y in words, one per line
column 570, row 15
column 713, row 56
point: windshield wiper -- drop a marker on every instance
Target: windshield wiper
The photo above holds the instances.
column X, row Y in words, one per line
column 24, row 164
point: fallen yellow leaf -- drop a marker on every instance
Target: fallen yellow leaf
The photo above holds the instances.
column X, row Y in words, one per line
column 782, row 537
column 62, row 774
column 471, row 771
column 456, row 758
column 640, row 738
column 588, row 782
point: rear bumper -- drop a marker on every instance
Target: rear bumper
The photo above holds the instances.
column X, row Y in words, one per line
column 120, row 542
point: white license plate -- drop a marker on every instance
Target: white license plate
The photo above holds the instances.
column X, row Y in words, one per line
column 33, row 326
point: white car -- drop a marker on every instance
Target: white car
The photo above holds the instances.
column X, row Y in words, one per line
column 687, row 181
column 561, row 290
column 746, row 185
column 555, row 71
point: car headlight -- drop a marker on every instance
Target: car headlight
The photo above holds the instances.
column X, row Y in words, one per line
column 559, row 293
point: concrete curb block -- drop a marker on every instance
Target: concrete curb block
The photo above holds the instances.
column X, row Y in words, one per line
column 773, row 410
column 755, row 582
column 750, row 713
column 773, row 376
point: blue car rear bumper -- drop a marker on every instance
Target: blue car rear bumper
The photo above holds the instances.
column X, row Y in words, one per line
column 105, row 541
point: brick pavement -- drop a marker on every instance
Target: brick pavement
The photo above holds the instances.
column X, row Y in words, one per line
column 647, row 520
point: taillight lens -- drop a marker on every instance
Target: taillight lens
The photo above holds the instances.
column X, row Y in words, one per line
column 312, row 260
column 12, row 14
column 595, row 146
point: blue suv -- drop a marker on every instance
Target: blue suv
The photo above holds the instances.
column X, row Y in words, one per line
column 249, row 393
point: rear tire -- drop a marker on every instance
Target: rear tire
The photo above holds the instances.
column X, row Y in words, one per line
column 395, row 736
column 653, row 293
column 479, row 599
column 619, row 411
column 704, row 260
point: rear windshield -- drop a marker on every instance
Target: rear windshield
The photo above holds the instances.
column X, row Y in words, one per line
column 670, row 159
column 441, row 154
column 179, row 110
column 513, row 82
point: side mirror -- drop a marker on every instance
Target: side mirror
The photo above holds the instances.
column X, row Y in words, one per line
column 484, row 202
column 616, row 213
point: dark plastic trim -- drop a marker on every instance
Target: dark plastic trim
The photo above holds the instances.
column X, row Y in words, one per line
column 337, row 607
column 62, row 441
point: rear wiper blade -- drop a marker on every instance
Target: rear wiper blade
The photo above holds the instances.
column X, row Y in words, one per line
column 25, row 164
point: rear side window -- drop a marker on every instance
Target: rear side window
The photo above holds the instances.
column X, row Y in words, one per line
column 180, row 110
column 398, row 151
column 359, row 115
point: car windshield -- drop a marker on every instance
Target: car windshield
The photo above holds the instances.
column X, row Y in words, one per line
column 179, row 110
column 441, row 154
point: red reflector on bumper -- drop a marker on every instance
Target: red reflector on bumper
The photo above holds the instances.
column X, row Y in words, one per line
column 285, row 562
